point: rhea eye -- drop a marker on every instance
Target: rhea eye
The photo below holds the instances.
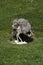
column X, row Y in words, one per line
column 28, row 32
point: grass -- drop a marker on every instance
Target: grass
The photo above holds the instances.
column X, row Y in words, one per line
column 32, row 53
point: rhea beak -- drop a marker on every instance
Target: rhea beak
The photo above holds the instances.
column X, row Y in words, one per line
column 30, row 35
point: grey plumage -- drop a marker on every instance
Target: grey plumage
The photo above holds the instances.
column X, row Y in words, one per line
column 21, row 26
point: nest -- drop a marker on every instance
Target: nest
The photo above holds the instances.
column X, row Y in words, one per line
column 25, row 39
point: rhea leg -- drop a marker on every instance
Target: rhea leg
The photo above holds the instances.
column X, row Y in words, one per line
column 18, row 37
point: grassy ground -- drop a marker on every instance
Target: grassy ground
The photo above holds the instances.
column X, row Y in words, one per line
column 32, row 53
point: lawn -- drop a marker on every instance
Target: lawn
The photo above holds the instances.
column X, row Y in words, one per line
column 32, row 53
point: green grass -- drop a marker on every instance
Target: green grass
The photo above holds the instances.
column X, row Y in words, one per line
column 32, row 53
